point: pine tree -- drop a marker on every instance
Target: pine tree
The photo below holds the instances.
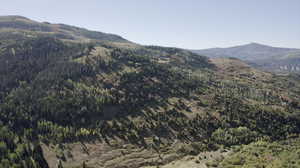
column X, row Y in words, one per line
column 60, row 164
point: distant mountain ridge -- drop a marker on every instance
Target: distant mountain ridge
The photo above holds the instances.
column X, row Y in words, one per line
column 252, row 51
column 266, row 57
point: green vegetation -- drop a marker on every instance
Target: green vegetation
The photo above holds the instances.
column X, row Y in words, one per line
column 16, row 151
column 57, row 92
column 263, row 154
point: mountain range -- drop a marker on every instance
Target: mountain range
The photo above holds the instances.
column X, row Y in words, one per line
column 274, row 59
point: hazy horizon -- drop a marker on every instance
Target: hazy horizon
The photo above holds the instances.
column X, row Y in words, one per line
column 187, row 24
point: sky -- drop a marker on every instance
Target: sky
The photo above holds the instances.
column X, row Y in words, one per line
column 191, row 24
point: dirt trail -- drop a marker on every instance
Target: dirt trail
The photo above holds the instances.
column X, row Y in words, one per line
column 99, row 155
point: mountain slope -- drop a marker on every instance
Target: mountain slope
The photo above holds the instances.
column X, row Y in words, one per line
column 262, row 56
column 100, row 104
column 19, row 27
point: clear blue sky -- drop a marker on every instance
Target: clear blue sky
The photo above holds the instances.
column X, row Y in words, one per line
column 193, row 24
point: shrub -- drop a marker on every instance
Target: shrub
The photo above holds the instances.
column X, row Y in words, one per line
column 234, row 136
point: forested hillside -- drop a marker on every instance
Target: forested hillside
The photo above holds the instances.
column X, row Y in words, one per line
column 143, row 105
column 17, row 26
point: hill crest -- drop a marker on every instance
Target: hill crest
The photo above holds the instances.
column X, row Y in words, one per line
column 10, row 23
